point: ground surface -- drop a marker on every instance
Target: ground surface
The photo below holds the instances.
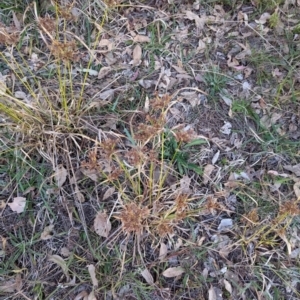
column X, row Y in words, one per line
column 150, row 150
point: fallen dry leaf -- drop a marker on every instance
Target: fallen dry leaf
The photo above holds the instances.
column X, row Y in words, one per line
column 215, row 157
column 79, row 195
column 105, row 43
column 107, row 94
column 102, row 225
column 200, row 21
column 90, row 71
column 104, row 71
column 295, row 169
column 212, row 293
column 173, row 272
column 185, row 182
column 91, row 269
column 18, row 204
column 47, row 233
column 147, row 276
column 60, row 175
column 225, row 224
column 227, row 100
column 268, row 120
column 8, row 286
column 206, row 174
column 226, row 128
column 91, row 173
column 64, row 251
column 137, row 55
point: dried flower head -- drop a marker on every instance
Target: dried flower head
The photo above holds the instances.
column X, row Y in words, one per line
column 65, row 11
column 180, row 215
column 212, row 205
column 114, row 174
column 289, row 208
column 108, row 147
column 135, row 156
column 251, row 218
column 132, row 218
column 161, row 102
column 66, row 51
column 158, row 122
column 48, row 24
column 9, row 35
column 152, row 155
column 92, row 161
column 185, row 136
column 144, row 132
column 164, row 227
column 181, row 202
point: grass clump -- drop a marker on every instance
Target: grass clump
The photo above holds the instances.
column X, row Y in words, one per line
column 119, row 179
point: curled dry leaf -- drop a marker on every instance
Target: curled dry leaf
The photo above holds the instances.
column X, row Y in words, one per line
column 18, row 204
column 109, row 192
column 206, row 174
column 288, row 244
column 91, row 269
column 102, row 225
column 91, row 296
column 163, row 250
column 90, row 71
column 2, row 204
column 60, row 262
column 147, row 276
column 297, row 189
column 11, row 286
column 60, row 175
column 228, row 286
column 263, row 18
column 47, row 233
column 141, row 39
column 173, row 272
column 137, row 55
column 81, row 295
